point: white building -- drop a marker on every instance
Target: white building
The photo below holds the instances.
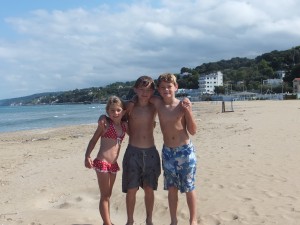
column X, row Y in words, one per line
column 185, row 74
column 208, row 82
column 296, row 87
column 280, row 74
column 273, row 82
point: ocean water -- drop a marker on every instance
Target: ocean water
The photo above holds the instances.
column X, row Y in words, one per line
column 16, row 118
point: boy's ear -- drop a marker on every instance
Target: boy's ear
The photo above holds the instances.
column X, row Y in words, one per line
column 134, row 89
column 176, row 86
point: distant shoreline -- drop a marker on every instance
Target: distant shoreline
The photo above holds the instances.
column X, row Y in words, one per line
column 65, row 103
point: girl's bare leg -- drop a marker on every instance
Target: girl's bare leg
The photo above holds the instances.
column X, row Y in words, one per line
column 105, row 182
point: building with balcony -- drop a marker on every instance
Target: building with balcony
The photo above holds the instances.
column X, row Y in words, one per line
column 208, row 82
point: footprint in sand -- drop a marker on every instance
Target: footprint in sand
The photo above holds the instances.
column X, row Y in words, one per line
column 64, row 205
column 4, row 182
column 228, row 216
column 210, row 220
column 271, row 194
column 78, row 199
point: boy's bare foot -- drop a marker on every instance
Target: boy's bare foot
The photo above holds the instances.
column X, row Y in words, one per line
column 149, row 222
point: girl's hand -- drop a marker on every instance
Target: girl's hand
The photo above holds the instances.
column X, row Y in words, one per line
column 88, row 162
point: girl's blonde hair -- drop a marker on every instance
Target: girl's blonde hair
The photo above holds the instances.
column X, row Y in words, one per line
column 114, row 100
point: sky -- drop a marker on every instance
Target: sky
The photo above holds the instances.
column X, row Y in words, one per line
column 61, row 45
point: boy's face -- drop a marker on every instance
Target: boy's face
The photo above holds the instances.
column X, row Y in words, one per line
column 144, row 93
column 166, row 89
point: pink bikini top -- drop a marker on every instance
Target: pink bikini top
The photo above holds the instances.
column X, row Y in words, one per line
column 112, row 133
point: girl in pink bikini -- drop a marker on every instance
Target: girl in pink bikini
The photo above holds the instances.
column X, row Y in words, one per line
column 105, row 163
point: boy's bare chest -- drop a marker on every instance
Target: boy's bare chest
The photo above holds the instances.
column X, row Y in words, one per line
column 170, row 113
column 142, row 113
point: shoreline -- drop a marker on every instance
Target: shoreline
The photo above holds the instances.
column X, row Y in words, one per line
column 55, row 125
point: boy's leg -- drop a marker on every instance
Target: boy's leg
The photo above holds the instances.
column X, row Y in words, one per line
column 149, row 203
column 191, row 202
column 152, row 165
column 130, row 204
column 105, row 182
column 173, row 203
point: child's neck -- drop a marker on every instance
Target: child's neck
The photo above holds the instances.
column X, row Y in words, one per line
column 116, row 123
column 170, row 101
column 143, row 103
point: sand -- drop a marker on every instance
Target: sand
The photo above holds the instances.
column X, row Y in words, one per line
column 248, row 171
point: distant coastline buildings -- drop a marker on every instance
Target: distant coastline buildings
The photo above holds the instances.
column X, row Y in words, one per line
column 296, row 87
column 208, row 82
column 280, row 74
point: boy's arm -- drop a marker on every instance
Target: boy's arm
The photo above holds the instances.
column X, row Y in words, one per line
column 189, row 117
column 155, row 100
column 102, row 121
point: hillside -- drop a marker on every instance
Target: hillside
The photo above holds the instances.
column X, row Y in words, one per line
column 249, row 72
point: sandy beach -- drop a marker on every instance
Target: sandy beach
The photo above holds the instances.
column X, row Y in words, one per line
column 248, row 168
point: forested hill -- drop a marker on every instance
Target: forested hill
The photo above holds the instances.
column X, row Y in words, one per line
column 250, row 71
column 253, row 71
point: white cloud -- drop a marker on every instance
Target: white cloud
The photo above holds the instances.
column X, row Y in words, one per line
column 79, row 48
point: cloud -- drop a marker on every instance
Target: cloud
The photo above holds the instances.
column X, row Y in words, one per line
column 55, row 50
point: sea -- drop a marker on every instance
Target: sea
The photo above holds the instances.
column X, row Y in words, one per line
column 18, row 118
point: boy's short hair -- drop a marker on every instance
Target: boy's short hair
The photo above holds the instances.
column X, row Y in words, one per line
column 167, row 77
column 144, row 81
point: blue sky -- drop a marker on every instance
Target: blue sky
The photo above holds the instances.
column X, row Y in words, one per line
column 61, row 45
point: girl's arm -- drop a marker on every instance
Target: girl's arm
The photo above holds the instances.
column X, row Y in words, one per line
column 127, row 127
column 129, row 105
column 99, row 131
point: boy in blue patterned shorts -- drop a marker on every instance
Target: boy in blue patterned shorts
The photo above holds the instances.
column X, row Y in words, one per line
column 178, row 153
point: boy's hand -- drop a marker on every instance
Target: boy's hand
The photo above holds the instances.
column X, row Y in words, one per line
column 186, row 104
column 102, row 121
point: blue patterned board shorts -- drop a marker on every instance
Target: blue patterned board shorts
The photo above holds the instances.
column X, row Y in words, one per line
column 179, row 165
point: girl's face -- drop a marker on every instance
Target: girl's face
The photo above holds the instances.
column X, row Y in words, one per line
column 166, row 89
column 115, row 112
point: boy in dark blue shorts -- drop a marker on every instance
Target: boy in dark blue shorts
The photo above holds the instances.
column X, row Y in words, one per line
column 141, row 162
